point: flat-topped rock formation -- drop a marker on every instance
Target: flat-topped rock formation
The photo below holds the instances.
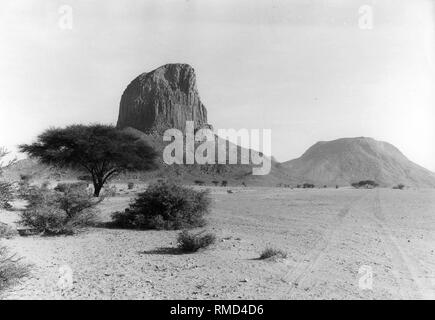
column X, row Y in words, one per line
column 164, row 97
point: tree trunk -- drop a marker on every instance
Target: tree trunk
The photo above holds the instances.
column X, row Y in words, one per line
column 97, row 189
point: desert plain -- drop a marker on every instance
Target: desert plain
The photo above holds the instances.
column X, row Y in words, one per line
column 340, row 243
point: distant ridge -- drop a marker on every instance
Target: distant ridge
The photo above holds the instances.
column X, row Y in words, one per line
column 347, row 160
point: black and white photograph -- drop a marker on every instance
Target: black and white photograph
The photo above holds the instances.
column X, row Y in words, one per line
column 217, row 150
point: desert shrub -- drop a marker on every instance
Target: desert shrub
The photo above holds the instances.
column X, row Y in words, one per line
column 124, row 219
column 224, row 183
column 26, row 177
column 192, row 242
column 34, row 195
column 110, row 191
column 130, row 185
column 367, row 184
column 53, row 212
column 272, row 253
column 23, row 189
column 400, row 186
column 6, row 231
column 46, row 219
column 11, row 269
column 75, row 202
column 165, row 205
column 45, row 184
column 6, row 194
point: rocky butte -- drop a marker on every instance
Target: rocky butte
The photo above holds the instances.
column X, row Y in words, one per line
column 166, row 96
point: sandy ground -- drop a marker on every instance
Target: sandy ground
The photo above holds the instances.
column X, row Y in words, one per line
column 334, row 239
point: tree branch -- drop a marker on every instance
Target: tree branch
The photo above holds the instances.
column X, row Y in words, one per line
column 110, row 173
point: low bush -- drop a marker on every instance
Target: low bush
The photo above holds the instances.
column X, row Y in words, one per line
column 130, row 185
column 45, row 184
column 165, row 205
column 26, row 177
column 6, row 194
column 366, row 184
column 124, row 219
column 11, row 269
column 400, row 186
column 46, row 219
column 34, row 195
column 224, row 183
column 6, row 231
column 192, row 242
column 269, row 253
column 110, row 191
column 53, row 212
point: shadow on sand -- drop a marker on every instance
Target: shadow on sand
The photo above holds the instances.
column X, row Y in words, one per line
column 164, row 250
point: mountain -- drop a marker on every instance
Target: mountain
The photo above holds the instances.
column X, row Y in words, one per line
column 344, row 161
column 166, row 96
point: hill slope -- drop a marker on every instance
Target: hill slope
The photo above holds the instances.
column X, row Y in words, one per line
column 347, row 160
column 235, row 174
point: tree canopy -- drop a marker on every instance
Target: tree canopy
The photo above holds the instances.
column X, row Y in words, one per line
column 102, row 150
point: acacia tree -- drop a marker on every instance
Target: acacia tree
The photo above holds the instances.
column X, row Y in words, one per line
column 6, row 188
column 3, row 153
column 102, row 150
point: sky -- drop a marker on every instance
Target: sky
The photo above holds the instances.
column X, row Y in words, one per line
column 309, row 70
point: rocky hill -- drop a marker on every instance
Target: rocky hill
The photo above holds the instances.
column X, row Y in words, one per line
column 166, row 96
column 348, row 160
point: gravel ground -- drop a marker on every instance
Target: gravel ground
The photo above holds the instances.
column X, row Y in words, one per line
column 333, row 239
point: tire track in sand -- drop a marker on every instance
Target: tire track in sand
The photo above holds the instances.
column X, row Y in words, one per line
column 300, row 271
column 406, row 271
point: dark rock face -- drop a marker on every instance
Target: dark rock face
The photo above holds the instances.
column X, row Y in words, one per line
column 165, row 97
